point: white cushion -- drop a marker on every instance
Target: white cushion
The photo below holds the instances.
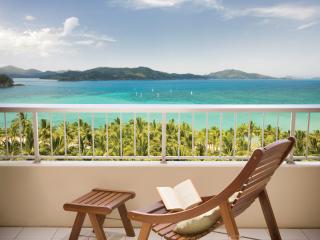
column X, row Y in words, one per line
column 202, row 222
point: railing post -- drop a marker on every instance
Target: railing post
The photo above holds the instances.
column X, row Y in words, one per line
column 35, row 137
column 292, row 133
column 164, row 137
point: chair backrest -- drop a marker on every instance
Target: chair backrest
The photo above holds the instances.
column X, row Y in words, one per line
column 264, row 161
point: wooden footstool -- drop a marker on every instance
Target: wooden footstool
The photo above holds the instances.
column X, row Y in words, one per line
column 97, row 204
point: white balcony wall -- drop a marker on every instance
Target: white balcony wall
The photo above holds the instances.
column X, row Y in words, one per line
column 33, row 194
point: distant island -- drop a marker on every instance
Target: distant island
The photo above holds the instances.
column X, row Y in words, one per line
column 139, row 73
column 6, row 81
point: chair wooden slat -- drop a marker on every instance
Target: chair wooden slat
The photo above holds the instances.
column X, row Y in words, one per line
column 117, row 201
column 84, row 197
column 252, row 195
column 248, row 185
column 251, row 182
column 274, row 162
column 161, row 211
column 152, row 208
column 160, row 226
column 167, row 229
column 103, row 201
column 264, row 168
column 261, row 176
column 170, row 235
column 240, row 208
column 110, row 200
column 94, row 201
column 88, row 200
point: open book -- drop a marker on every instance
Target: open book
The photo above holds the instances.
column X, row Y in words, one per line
column 182, row 196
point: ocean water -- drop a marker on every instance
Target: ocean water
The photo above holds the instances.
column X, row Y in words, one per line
column 196, row 91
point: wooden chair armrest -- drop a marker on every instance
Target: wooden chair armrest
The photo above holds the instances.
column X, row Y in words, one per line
column 168, row 217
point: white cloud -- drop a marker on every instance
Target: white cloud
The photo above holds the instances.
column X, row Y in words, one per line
column 308, row 25
column 48, row 41
column 69, row 25
column 143, row 4
column 29, row 18
column 293, row 12
column 285, row 11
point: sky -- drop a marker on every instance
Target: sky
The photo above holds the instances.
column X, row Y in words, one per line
column 278, row 38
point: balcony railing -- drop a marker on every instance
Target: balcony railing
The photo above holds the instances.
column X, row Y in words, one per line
column 154, row 132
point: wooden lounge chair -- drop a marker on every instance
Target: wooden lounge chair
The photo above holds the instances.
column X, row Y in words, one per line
column 251, row 182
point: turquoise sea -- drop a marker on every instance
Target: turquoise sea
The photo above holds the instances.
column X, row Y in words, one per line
column 196, row 91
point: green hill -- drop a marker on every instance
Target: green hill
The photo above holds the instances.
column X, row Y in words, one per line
column 106, row 73
column 139, row 73
column 237, row 74
column 13, row 72
column 5, row 81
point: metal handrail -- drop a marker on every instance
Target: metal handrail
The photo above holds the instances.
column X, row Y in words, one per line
column 164, row 109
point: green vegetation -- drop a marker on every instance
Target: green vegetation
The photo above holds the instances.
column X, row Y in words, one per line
column 5, row 81
column 236, row 74
column 20, row 132
column 106, row 73
column 141, row 73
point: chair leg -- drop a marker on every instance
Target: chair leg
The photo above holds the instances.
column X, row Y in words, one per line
column 101, row 218
column 98, row 230
column 269, row 216
column 229, row 221
column 145, row 231
column 76, row 228
column 125, row 220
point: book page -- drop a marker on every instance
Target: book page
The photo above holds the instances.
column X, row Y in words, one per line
column 187, row 194
column 169, row 198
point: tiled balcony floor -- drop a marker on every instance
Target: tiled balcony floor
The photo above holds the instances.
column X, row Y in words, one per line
column 28, row 233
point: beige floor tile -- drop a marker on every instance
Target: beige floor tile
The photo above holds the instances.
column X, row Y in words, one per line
column 312, row 234
column 292, row 234
column 258, row 233
column 31, row 233
column 8, row 233
column 62, row 233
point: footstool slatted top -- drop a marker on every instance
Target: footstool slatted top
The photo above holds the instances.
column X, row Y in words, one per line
column 99, row 201
column 97, row 204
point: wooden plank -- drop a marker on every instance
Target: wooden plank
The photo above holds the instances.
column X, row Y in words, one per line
column 264, row 168
column 110, row 200
column 229, row 221
column 274, row 162
column 259, row 185
column 239, row 208
column 160, row 226
column 170, row 234
column 94, row 201
column 76, row 228
column 86, row 208
column 248, row 197
column 161, row 211
column 133, row 194
column 261, row 180
column 102, row 201
column 176, row 236
column 261, row 176
column 92, row 197
column 118, row 201
column 98, row 230
column 125, row 220
column 152, row 208
column 167, row 229
column 269, row 216
column 145, row 231
column 84, row 197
